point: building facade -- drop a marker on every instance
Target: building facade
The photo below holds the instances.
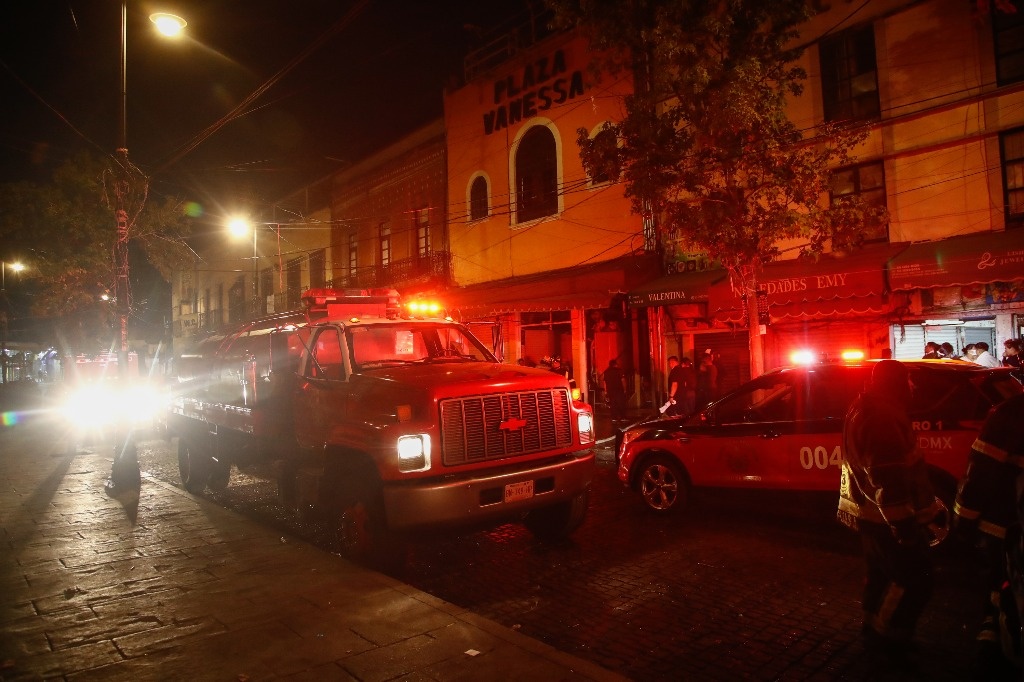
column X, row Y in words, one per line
column 939, row 85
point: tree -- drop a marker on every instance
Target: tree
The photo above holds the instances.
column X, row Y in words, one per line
column 65, row 232
column 706, row 150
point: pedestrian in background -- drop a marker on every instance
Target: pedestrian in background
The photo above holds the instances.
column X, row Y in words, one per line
column 615, row 389
column 948, row 351
column 983, row 357
column 932, row 351
column 707, row 380
column 1011, row 353
column 676, row 387
column 886, row 495
column 987, row 516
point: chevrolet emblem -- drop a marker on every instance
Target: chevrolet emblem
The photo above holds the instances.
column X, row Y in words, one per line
column 513, row 424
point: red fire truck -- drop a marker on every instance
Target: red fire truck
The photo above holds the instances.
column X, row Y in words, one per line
column 384, row 420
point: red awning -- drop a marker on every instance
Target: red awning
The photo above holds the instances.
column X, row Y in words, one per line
column 585, row 286
column 960, row 261
column 833, row 285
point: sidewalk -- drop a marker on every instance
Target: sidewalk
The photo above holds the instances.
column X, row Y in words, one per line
column 179, row 588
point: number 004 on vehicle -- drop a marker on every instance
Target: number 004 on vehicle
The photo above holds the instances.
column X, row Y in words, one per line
column 518, row 491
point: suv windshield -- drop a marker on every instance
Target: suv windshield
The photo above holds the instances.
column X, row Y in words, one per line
column 400, row 343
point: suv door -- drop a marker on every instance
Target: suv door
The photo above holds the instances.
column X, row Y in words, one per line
column 752, row 431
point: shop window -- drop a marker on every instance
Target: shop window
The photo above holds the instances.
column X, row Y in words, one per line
column 1011, row 145
column 865, row 182
column 536, row 175
column 1008, row 37
column 849, row 76
column 478, row 208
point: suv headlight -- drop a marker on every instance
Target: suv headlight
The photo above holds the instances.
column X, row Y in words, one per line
column 414, row 452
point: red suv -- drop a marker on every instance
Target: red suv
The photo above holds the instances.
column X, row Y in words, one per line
column 783, row 431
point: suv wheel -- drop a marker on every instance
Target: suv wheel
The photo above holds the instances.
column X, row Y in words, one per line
column 663, row 484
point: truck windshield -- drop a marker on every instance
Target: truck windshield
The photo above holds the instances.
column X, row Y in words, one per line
column 400, row 343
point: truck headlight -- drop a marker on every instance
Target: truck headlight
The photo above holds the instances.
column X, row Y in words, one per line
column 585, row 422
column 414, row 452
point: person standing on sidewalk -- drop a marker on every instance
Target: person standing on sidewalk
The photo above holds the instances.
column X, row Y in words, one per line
column 615, row 389
column 987, row 516
column 886, row 495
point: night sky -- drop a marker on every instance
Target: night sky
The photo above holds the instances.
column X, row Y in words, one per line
column 353, row 76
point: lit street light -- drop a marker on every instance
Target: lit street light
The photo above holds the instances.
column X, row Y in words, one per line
column 129, row 188
column 16, row 267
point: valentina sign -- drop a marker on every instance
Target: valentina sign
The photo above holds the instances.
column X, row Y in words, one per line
column 541, row 85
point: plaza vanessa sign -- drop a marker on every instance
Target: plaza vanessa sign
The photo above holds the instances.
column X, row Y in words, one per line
column 540, row 85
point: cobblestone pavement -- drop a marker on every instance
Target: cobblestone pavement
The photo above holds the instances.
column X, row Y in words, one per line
column 758, row 587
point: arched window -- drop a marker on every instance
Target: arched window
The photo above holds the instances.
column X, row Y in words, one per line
column 478, row 209
column 536, row 175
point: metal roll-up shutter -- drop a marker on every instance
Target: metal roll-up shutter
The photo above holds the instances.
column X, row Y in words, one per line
column 732, row 350
column 823, row 338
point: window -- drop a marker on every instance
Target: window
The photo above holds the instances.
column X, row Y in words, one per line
column 1012, row 151
column 605, row 143
column 478, row 208
column 326, row 360
column 849, row 79
column 317, row 268
column 771, row 399
column 423, row 233
column 536, row 175
column 384, row 234
column 293, row 279
column 865, row 182
column 266, row 289
column 1008, row 32
column 353, row 255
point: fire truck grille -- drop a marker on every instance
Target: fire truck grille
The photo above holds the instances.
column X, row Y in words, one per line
column 489, row 427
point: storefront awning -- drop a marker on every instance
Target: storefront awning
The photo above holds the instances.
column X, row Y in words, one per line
column 585, row 286
column 960, row 261
column 683, row 287
column 833, row 285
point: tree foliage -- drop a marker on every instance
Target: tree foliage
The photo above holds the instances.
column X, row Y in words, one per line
column 706, row 147
column 65, row 233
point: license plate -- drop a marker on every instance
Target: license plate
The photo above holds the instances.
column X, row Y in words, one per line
column 518, row 491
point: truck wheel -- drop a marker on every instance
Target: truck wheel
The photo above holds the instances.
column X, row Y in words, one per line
column 220, row 475
column 558, row 521
column 663, row 484
column 193, row 466
column 361, row 532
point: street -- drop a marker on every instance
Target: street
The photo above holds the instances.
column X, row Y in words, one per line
column 741, row 586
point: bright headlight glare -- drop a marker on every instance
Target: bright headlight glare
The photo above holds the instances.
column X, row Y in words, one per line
column 585, row 422
column 414, row 452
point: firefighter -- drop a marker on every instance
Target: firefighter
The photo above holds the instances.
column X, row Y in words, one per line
column 987, row 515
column 887, row 497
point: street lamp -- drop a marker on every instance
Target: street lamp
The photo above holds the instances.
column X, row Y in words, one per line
column 129, row 190
column 16, row 267
column 129, row 182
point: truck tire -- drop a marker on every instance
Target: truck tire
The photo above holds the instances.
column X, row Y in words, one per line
column 663, row 484
column 360, row 525
column 193, row 466
column 220, row 475
column 558, row 521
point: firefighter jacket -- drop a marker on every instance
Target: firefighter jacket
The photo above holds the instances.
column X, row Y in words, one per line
column 987, row 497
column 884, row 478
